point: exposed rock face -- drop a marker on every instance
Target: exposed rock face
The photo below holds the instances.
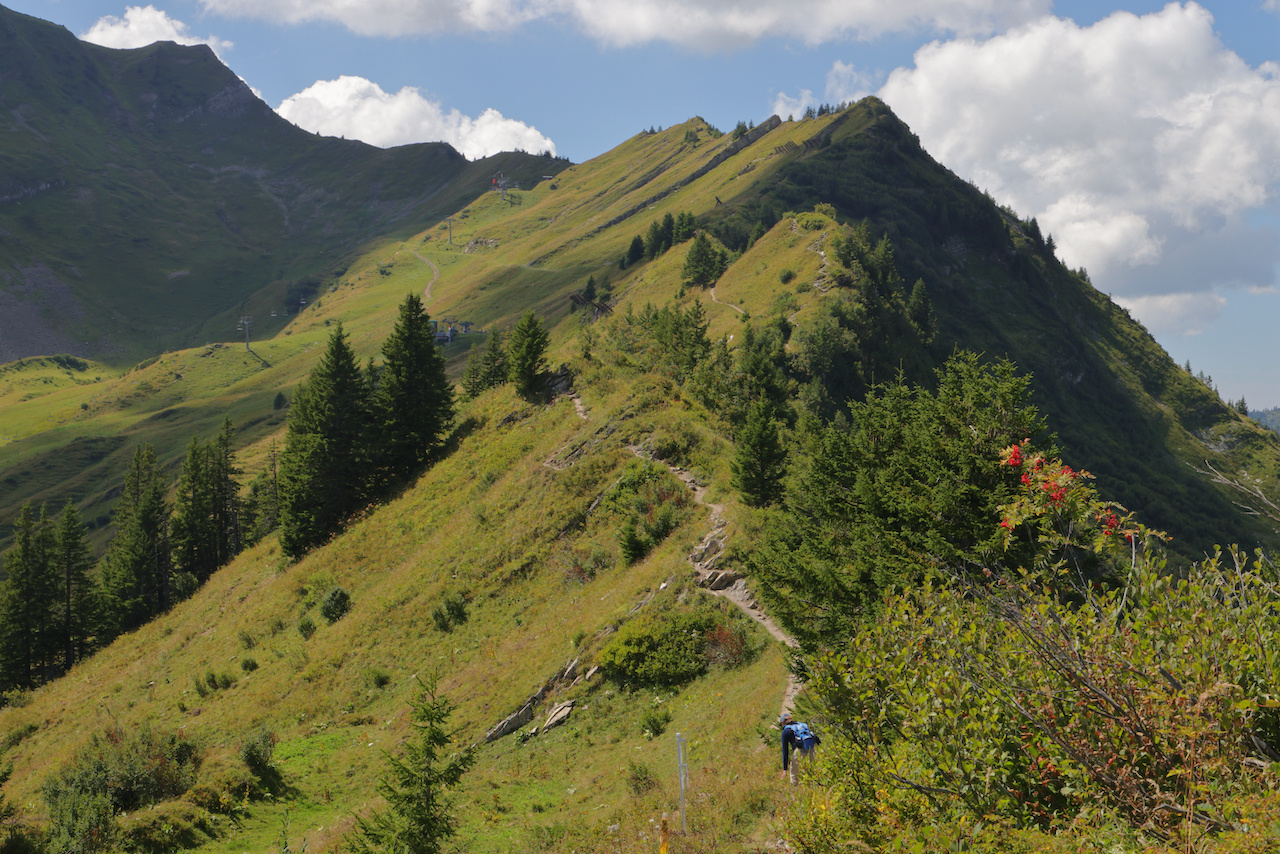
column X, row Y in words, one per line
column 559, row 714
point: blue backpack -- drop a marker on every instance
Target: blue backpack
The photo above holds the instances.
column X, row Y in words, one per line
column 803, row 735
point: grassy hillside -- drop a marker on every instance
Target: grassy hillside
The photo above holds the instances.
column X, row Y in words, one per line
column 503, row 523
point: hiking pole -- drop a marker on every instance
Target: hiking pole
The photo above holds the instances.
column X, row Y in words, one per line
column 682, row 771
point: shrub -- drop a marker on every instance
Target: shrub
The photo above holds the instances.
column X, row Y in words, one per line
column 248, row 665
column 257, row 751
column 378, row 677
column 640, row 779
column 247, row 640
column 654, row 721
column 727, row 646
column 451, row 612
column 130, row 770
column 786, row 276
column 306, row 627
column 335, row 605
column 659, row 648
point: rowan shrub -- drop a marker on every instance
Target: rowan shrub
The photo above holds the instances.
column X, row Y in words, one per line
column 116, row 772
column 1094, row 687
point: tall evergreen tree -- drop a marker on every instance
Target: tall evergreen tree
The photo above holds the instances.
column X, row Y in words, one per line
column 760, row 460
column 413, row 405
column 486, row 366
column 526, row 350
column 27, row 598
column 704, row 264
column 653, row 240
column 262, row 506
column 635, row 252
column 324, row 467
column 137, row 567
column 206, row 513
column 667, row 232
column 77, row 617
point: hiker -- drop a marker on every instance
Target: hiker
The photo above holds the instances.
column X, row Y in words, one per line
column 798, row 735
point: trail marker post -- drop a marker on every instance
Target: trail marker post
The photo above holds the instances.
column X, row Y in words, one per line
column 682, row 771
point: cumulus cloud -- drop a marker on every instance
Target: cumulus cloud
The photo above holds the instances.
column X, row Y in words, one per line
column 1132, row 141
column 359, row 109
column 143, row 25
column 845, row 84
column 701, row 24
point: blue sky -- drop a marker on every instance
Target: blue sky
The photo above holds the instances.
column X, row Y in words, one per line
column 1144, row 136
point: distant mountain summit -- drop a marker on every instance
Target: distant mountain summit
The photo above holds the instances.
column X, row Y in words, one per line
column 148, row 197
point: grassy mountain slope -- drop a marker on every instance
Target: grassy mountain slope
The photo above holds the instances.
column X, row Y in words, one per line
column 1122, row 408
column 502, row 522
column 510, row 521
column 148, row 198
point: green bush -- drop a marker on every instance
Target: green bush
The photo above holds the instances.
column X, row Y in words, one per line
column 248, row 665
column 306, row 627
column 257, row 751
column 335, row 605
column 655, row 501
column 659, row 648
column 640, row 779
column 654, row 722
column 116, row 772
column 451, row 612
column 786, row 276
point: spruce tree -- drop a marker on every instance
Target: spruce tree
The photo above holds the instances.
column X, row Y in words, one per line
column 136, row 568
column 261, row 509
column 635, row 252
column 526, row 350
column 760, row 461
column 704, row 264
column 206, row 516
column 77, row 617
column 27, row 598
column 413, row 404
column 419, row 818
column 324, row 467
column 486, row 366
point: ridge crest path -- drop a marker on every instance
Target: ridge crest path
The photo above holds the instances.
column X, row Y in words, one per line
column 727, row 585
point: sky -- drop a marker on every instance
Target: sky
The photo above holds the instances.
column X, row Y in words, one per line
column 1143, row 136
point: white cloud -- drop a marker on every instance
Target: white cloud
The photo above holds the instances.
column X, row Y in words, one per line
column 701, row 24
column 1180, row 313
column 143, row 25
column 846, row 84
column 785, row 106
column 358, row 109
column 1130, row 140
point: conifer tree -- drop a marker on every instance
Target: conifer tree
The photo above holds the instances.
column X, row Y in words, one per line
column 27, row 596
column 704, row 264
column 635, row 252
column 685, row 225
column 760, row 460
column 413, row 405
column 486, row 366
column 526, row 350
column 324, row 467
column 206, row 514
column 667, row 232
column 653, row 240
column 70, row 563
column 262, row 506
column 419, row 818
column 137, row 568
